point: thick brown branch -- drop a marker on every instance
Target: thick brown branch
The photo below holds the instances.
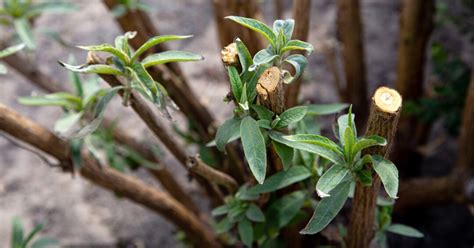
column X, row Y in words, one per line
column 466, row 136
column 196, row 165
column 28, row 131
column 416, row 24
column 270, row 90
column 302, row 16
column 350, row 33
column 383, row 119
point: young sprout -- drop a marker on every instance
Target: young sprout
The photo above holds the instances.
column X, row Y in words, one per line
column 281, row 43
column 20, row 239
column 124, row 62
column 7, row 52
column 19, row 13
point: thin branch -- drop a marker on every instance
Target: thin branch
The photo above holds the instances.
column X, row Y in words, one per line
column 199, row 167
column 29, row 132
column 383, row 119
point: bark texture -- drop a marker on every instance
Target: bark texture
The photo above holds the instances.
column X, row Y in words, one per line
column 383, row 120
column 270, row 90
column 350, row 33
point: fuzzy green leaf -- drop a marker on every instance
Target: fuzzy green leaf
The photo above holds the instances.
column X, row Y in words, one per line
column 3, row 69
column 65, row 123
column 282, row 211
column 235, row 82
column 254, row 148
column 262, row 112
column 254, row 213
column 366, row 142
column 220, row 210
column 23, row 28
column 230, row 129
column 61, row 99
column 327, row 209
column 298, row 45
column 336, row 175
column 108, row 49
column 256, row 26
column 32, row 234
column 155, row 41
column 290, row 116
column 405, row 231
column 11, row 50
column 245, row 57
column 17, row 233
column 45, row 243
column 388, row 174
column 311, row 142
column 286, row 26
column 298, row 62
column 282, row 179
column 342, row 123
column 262, row 57
column 245, row 232
column 92, row 69
column 170, row 56
column 285, row 153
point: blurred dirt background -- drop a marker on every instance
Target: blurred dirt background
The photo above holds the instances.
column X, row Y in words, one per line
column 77, row 213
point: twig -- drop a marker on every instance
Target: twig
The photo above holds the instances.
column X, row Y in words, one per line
column 302, row 16
column 199, row 167
column 350, row 33
column 383, row 119
column 28, row 131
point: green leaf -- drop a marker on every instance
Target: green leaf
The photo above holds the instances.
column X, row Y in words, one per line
column 108, row 49
column 45, row 243
column 285, row 153
column 3, row 69
column 349, row 141
column 254, row 213
column 121, row 43
column 92, row 69
column 327, row 209
column 256, row 26
column 283, row 210
column 61, row 99
column 298, row 45
column 325, row 109
column 245, row 232
column 365, row 177
column 235, row 82
column 220, row 210
column 367, row 158
column 264, row 56
column 336, row 175
column 405, row 231
column 366, row 142
column 63, row 124
column 23, row 28
column 144, row 77
column 282, row 179
column 227, row 131
column 320, row 147
column 298, row 62
column 254, row 148
column 388, row 174
column 32, row 234
column 50, row 7
column 11, row 50
column 245, row 57
column 223, row 226
column 17, row 233
column 155, row 41
column 342, row 125
column 118, row 11
column 262, row 112
column 318, row 140
column 290, row 116
column 264, row 124
column 170, row 56
column 286, row 26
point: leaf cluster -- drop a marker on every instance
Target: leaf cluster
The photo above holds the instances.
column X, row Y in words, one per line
column 20, row 240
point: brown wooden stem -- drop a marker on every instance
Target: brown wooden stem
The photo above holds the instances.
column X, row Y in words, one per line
column 302, row 16
column 383, row 119
column 196, row 165
column 29, row 132
column 416, row 24
column 350, row 33
column 270, row 90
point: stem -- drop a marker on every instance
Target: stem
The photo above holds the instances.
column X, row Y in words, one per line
column 28, row 131
column 301, row 14
column 350, row 33
column 383, row 119
column 214, row 176
column 416, row 24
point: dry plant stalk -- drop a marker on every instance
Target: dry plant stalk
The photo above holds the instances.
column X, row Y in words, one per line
column 416, row 24
column 196, row 165
column 350, row 33
column 270, row 90
column 39, row 137
column 383, row 119
column 301, row 14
